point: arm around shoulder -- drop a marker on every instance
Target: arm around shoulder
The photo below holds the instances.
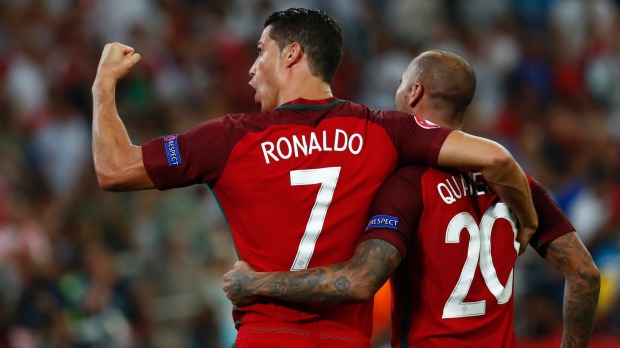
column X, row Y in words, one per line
column 501, row 172
column 462, row 150
column 355, row 280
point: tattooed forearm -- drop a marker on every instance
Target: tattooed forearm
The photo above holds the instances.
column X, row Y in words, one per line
column 355, row 280
column 342, row 284
column 284, row 284
column 568, row 254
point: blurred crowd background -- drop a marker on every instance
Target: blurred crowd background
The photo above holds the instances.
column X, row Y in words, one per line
column 80, row 267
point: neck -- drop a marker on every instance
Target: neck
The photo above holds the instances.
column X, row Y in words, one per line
column 441, row 115
column 306, row 86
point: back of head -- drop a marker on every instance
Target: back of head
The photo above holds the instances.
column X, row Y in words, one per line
column 318, row 34
column 447, row 78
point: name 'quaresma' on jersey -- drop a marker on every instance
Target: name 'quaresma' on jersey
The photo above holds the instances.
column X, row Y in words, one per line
column 295, row 185
column 457, row 239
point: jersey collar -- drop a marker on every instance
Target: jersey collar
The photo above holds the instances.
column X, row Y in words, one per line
column 307, row 104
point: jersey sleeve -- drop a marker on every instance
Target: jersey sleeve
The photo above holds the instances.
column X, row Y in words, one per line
column 196, row 156
column 417, row 141
column 552, row 222
column 396, row 209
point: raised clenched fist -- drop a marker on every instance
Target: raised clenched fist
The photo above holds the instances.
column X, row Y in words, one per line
column 116, row 61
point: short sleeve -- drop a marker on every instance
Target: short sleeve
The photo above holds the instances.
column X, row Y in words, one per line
column 417, row 141
column 396, row 209
column 196, row 156
column 552, row 222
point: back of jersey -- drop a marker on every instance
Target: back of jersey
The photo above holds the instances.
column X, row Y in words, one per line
column 295, row 185
column 295, row 193
column 296, row 196
column 454, row 289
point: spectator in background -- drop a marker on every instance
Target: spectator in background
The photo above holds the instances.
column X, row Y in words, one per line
column 49, row 44
column 61, row 144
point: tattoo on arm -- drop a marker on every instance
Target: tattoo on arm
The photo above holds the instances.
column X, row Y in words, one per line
column 358, row 279
column 342, row 284
column 568, row 254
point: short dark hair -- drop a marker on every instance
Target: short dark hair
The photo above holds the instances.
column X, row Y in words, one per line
column 448, row 76
column 318, row 34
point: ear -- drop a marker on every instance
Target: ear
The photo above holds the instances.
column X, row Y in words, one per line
column 293, row 54
column 416, row 94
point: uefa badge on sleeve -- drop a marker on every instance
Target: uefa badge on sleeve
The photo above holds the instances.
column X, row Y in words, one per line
column 383, row 221
column 171, row 144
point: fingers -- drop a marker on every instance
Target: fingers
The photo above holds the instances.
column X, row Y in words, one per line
column 116, row 46
column 230, row 294
column 127, row 50
column 116, row 61
column 235, row 286
column 226, row 289
column 228, row 283
column 242, row 265
column 129, row 54
column 135, row 58
column 524, row 236
column 239, row 264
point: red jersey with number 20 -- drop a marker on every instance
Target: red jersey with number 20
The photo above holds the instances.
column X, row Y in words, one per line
column 457, row 239
column 295, row 185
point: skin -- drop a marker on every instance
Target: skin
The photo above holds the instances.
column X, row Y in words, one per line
column 374, row 261
column 118, row 163
column 581, row 290
column 279, row 76
column 358, row 279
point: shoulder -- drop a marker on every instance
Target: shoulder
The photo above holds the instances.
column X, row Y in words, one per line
column 410, row 174
column 415, row 174
column 389, row 115
column 243, row 122
column 376, row 115
column 404, row 184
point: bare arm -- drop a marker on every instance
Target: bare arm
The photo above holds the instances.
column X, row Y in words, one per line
column 355, row 280
column 500, row 170
column 118, row 163
column 568, row 254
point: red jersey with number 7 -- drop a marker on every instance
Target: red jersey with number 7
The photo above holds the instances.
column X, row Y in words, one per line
column 457, row 239
column 295, row 185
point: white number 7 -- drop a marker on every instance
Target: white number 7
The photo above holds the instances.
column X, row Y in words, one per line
column 327, row 177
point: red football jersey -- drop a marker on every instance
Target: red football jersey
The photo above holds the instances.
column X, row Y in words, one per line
column 295, row 185
column 454, row 286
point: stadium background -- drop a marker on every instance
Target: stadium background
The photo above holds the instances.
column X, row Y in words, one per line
column 80, row 267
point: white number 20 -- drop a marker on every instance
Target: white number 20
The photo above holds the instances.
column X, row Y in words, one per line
column 479, row 249
column 327, row 177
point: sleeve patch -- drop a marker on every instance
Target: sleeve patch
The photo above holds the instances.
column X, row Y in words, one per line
column 383, row 221
column 171, row 144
